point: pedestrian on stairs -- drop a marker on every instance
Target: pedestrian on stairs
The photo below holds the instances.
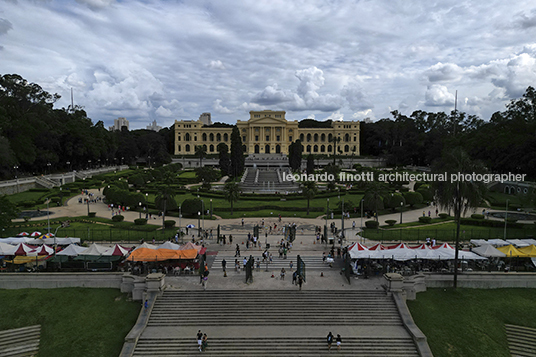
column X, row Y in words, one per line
column 339, row 341
column 300, row 280
column 330, row 340
column 199, row 339
column 204, row 343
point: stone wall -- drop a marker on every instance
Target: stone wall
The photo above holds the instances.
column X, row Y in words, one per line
column 60, row 280
column 483, row 280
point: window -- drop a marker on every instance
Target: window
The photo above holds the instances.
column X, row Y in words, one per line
column 323, row 137
column 218, row 137
column 195, row 138
column 322, row 148
column 308, row 148
column 267, row 137
column 211, row 148
column 301, row 137
column 315, row 148
column 187, row 147
column 290, row 138
column 355, row 138
column 178, row 138
column 315, row 138
column 211, row 137
column 278, row 115
column 277, row 138
column 204, row 137
column 179, row 148
column 243, row 138
column 225, row 137
column 256, row 138
column 187, row 138
column 290, row 130
column 309, row 139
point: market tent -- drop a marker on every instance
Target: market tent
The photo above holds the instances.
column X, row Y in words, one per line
column 93, row 252
column 487, row 250
column 44, row 250
column 530, row 241
column 7, row 249
column 479, row 242
column 401, row 252
column 518, row 243
column 169, row 245
column 26, row 259
column 358, row 251
column 57, row 241
column 497, row 242
column 117, row 251
column 16, row 240
column 24, row 249
column 156, row 255
column 512, row 251
column 530, row 251
column 377, row 246
column 444, row 251
column 146, row 245
column 72, row 250
column 190, row 245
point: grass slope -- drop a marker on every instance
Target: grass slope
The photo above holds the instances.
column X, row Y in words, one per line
column 470, row 322
column 74, row 321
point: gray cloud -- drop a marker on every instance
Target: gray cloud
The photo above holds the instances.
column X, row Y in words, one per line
column 5, row 26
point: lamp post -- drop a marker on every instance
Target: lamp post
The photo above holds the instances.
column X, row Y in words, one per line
column 342, row 221
column 203, row 207
column 149, row 157
column 327, row 212
column 87, row 200
column 17, row 176
column 48, row 216
column 48, row 168
column 140, row 208
column 198, row 224
column 401, row 206
column 180, row 216
column 89, row 164
column 211, row 208
column 505, row 219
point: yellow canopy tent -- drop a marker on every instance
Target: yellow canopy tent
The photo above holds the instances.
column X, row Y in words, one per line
column 25, row 259
column 512, row 251
column 157, row 255
column 530, row 251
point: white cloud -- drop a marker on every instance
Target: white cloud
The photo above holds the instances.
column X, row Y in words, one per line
column 96, row 4
column 336, row 116
column 216, row 65
column 219, row 108
column 438, row 96
column 441, row 72
column 163, row 112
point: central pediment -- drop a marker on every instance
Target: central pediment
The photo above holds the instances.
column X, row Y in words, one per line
column 267, row 121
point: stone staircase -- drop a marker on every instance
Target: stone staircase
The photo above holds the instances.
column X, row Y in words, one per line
column 46, row 182
column 284, row 346
column 20, row 342
column 275, row 323
column 521, row 340
column 311, row 262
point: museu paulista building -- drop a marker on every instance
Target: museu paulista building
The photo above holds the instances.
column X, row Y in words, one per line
column 267, row 132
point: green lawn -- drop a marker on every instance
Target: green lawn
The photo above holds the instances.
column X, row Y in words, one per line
column 74, row 321
column 446, row 232
column 470, row 322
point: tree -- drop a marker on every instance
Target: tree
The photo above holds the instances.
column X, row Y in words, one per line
column 413, row 198
column 458, row 195
column 237, row 153
column 8, row 211
column 232, row 193
column 295, row 155
column 309, row 191
column 206, row 175
column 374, row 196
column 224, row 162
column 335, row 140
column 310, row 164
column 200, row 152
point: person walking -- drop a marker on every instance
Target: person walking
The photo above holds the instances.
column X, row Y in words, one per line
column 291, row 265
column 300, row 280
column 223, row 266
column 282, row 275
column 204, row 342
column 294, row 277
column 339, row 341
column 199, row 339
column 237, row 254
column 329, row 340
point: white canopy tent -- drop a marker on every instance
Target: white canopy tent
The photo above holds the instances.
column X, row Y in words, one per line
column 488, row 250
column 72, row 250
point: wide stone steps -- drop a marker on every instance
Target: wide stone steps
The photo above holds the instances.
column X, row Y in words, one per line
column 290, row 307
column 311, row 262
column 521, row 340
column 20, row 342
column 281, row 346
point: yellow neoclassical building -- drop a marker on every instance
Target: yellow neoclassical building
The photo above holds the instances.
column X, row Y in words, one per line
column 268, row 132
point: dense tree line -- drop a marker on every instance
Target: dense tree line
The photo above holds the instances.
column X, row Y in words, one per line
column 35, row 138
column 505, row 143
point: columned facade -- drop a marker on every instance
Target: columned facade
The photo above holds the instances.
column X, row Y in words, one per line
column 268, row 132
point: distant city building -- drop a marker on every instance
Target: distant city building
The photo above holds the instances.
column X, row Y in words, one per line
column 119, row 123
column 154, row 126
column 205, row 119
column 268, row 132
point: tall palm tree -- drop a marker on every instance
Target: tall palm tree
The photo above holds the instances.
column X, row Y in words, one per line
column 335, row 140
column 200, row 151
column 374, row 193
column 458, row 195
column 309, row 191
column 232, row 193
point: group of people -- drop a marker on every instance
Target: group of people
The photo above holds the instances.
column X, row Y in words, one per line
column 202, row 341
column 330, row 339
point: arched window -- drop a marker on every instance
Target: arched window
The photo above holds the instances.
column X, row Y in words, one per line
column 315, row 148
column 218, row 137
column 187, row 147
column 346, row 148
column 257, row 149
column 204, row 136
column 278, row 149
column 347, row 137
column 211, row 137
column 308, row 148
column 187, row 138
column 211, row 147
column 301, row 138
column 205, row 147
column 308, row 138
column 315, row 138
column 322, row 148
column 329, row 148
column 267, row 149
column 179, row 148
column 323, row 137
column 330, row 137
column 225, row 137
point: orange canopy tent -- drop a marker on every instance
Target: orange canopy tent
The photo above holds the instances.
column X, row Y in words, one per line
column 157, row 255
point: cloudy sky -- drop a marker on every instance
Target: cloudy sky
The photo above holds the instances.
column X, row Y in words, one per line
column 338, row 59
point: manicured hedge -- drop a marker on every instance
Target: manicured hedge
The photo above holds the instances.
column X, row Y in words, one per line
column 425, row 219
column 140, row 221
column 443, row 215
column 391, row 222
column 489, row 223
column 169, row 223
column 118, row 218
column 372, row 224
column 477, row 216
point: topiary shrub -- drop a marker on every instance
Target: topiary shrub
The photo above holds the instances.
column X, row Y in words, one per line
column 425, row 219
column 140, row 221
column 169, row 223
column 372, row 224
column 118, row 218
column 477, row 216
column 413, row 198
column 443, row 215
column 391, row 222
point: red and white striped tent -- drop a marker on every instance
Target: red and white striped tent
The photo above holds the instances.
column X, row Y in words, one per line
column 25, row 250
column 44, row 250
